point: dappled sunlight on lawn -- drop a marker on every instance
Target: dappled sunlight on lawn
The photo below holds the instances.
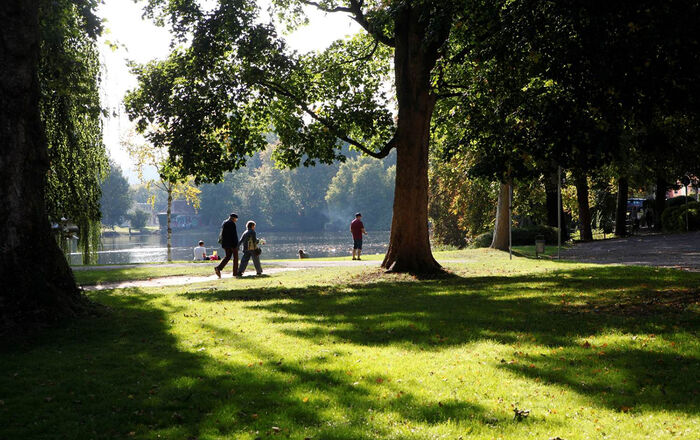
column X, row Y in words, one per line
column 352, row 353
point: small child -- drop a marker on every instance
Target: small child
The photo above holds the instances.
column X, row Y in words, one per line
column 200, row 252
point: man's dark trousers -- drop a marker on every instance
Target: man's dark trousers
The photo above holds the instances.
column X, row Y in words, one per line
column 230, row 252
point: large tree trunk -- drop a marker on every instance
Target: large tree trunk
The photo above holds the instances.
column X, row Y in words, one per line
column 584, row 210
column 659, row 201
column 501, row 239
column 409, row 244
column 621, row 211
column 38, row 286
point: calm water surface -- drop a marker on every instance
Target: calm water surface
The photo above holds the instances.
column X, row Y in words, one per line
column 153, row 248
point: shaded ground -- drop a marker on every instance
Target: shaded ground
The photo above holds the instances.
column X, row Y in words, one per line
column 678, row 251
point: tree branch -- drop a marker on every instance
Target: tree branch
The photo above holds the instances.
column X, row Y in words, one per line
column 355, row 10
column 324, row 9
column 384, row 152
column 354, row 60
column 448, row 95
column 361, row 19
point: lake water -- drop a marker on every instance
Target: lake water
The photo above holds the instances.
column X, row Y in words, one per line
column 153, row 248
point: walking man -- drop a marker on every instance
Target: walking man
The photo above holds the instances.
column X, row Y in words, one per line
column 229, row 241
column 357, row 229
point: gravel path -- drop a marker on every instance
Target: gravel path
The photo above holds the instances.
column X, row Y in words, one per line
column 181, row 280
column 679, row 251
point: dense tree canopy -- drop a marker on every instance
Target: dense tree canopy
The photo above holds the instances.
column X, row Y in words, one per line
column 116, row 197
column 235, row 78
column 69, row 75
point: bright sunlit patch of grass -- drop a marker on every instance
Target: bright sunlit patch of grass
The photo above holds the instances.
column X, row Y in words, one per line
column 592, row 352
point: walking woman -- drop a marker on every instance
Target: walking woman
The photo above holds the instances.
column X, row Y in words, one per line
column 250, row 249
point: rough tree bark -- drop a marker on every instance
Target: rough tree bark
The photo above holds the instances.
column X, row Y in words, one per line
column 500, row 233
column 409, row 243
column 584, row 210
column 621, row 210
column 38, row 287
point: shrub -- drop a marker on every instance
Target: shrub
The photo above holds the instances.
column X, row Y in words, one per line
column 482, row 240
column 673, row 219
column 521, row 236
column 678, row 201
column 139, row 219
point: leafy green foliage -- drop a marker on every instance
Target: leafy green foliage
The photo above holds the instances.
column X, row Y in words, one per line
column 365, row 185
column 674, row 218
column 69, row 74
column 116, row 197
column 524, row 236
column 459, row 208
column 305, row 198
column 139, row 219
column 253, row 83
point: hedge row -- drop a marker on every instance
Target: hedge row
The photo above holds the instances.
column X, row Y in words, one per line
column 673, row 219
column 521, row 236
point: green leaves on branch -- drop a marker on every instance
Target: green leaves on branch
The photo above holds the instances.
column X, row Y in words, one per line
column 69, row 75
column 215, row 99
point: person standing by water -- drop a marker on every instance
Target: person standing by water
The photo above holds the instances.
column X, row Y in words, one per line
column 249, row 241
column 357, row 228
column 229, row 241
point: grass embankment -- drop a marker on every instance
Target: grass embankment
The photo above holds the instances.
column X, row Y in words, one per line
column 346, row 353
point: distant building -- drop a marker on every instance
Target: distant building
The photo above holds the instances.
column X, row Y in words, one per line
column 681, row 191
column 182, row 216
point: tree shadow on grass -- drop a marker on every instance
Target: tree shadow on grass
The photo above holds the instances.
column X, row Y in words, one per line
column 126, row 375
column 553, row 311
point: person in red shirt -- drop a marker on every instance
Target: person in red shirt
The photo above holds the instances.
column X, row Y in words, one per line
column 357, row 229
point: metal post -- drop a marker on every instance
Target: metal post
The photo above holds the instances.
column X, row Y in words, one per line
column 687, row 228
column 559, row 213
column 510, row 220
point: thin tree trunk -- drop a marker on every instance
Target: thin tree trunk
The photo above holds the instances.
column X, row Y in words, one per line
column 551, row 203
column 659, row 202
column 38, row 287
column 170, row 231
column 409, row 243
column 500, row 233
column 621, row 211
column 584, row 210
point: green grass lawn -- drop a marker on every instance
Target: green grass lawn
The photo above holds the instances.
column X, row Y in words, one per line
column 143, row 272
column 593, row 352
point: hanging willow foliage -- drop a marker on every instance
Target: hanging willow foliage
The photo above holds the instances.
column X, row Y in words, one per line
column 69, row 76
